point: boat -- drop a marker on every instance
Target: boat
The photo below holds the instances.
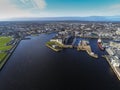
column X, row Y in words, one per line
column 100, row 44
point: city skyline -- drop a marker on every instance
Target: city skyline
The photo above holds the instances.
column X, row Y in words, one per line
column 58, row 8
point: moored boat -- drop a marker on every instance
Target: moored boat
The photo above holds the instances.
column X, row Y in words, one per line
column 100, row 44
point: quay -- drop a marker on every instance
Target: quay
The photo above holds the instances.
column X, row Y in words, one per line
column 82, row 45
column 115, row 69
column 9, row 54
column 67, row 46
column 87, row 48
column 52, row 48
column 96, row 37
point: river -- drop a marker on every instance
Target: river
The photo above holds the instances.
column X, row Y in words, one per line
column 33, row 66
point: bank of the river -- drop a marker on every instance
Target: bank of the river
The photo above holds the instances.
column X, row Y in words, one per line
column 87, row 48
column 34, row 66
column 54, row 46
column 7, row 56
column 57, row 46
column 115, row 69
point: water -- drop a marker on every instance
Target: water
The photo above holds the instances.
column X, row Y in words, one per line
column 33, row 66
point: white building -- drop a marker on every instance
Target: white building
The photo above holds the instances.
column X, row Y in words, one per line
column 118, row 31
column 115, row 45
column 110, row 51
column 115, row 61
column 57, row 40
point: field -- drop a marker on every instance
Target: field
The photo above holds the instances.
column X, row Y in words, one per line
column 3, row 47
column 54, row 43
column 58, row 47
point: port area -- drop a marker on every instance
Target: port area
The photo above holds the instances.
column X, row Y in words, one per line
column 84, row 46
column 55, row 46
column 114, row 68
column 81, row 45
column 7, row 46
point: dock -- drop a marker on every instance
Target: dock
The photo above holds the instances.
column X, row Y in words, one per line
column 54, row 46
column 67, row 46
column 115, row 69
column 87, row 48
column 83, row 46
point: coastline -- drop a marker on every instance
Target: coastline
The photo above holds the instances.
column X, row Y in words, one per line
column 113, row 68
column 92, row 55
column 88, row 50
column 5, row 59
column 56, row 50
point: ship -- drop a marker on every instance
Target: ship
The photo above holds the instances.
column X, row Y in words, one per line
column 100, row 44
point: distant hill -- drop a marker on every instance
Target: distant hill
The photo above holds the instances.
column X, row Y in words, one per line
column 91, row 18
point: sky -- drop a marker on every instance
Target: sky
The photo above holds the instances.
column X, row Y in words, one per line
column 58, row 8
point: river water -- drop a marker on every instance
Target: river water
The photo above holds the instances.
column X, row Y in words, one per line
column 33, row 66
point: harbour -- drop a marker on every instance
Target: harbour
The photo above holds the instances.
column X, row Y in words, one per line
column 78, row 43
column 115, row 69
column 82, row 44
column 45, row 69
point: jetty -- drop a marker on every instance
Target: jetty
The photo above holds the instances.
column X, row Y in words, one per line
column 114, row 68
column 54, row 46
column 83, row 46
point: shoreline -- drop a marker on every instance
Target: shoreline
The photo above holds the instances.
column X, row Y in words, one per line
column 56, row 50
column 117, row 73
column 92, row 55
column 5, row 59
column 88, row 50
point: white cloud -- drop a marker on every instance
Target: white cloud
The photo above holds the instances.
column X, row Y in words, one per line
column 35, row 8
column 40, row 4
column 111, row 10
column 36, row 4
column 116, row 6
column 9, row 9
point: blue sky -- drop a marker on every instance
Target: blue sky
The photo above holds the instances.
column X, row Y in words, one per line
column 58, row 8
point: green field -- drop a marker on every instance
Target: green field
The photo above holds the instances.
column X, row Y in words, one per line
column 2, row 55
column 57, row 48
column 54, row 43
column 3, row 41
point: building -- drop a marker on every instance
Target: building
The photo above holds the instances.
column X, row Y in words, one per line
column 115, row 44
column 115, row 61
column 118, row 31
column 57, row 40
column 110, row 51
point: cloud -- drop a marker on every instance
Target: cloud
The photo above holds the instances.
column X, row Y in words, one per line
column 20, row 8
column 112, row 10
column 116, row 6
column 108, row 10
column 40, row 4
column 31, row 4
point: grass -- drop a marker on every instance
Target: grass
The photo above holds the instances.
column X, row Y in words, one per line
column 4, row 40
column 2, row 55
column 54, row 43
column 3, row 47
column 58, row 46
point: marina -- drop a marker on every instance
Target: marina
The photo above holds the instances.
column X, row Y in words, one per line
column 82, row 44
column 78, row 43
column 115, row 69
column 69, row 67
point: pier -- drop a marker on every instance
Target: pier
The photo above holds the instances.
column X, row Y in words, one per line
column 54, row 46
column 115, row 69
column 80, row 45
column 85, row 47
